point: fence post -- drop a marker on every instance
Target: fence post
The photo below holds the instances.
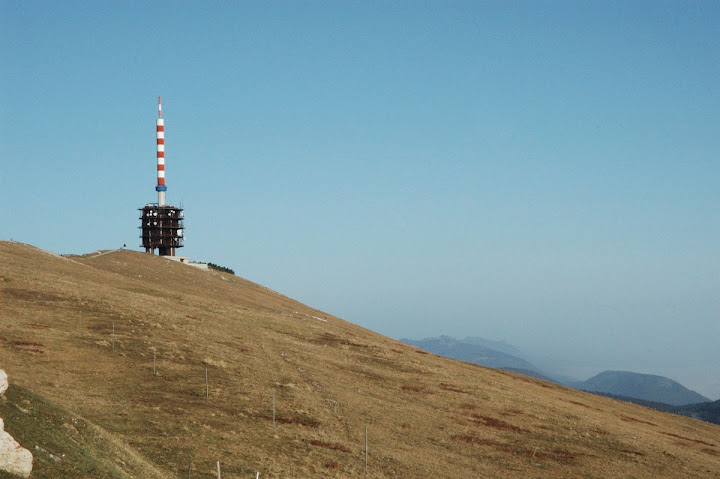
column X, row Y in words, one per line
column 273, row 408
column 207, row 386
column 218, row 465
column 366, row 449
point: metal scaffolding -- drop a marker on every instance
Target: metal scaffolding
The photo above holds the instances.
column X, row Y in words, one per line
column 162, row 228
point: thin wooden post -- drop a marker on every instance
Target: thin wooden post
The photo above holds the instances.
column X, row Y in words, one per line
column 218, row 465
column 190, row 467
column 113, row 337
column 154, row 360
column 273, row 408
column 207, row 386
column 366, row 449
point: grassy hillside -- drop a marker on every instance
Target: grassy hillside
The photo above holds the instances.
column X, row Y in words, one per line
column 426, row 416
column 65, row 445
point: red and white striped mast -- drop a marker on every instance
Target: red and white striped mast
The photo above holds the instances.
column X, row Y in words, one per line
column 160, row 132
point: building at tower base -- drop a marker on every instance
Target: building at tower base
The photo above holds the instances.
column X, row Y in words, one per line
column 162, row 229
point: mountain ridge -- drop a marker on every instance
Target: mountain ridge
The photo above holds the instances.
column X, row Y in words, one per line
column 624, row 384
column 476, row 350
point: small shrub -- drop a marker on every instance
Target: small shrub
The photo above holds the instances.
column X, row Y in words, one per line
column 220, row 268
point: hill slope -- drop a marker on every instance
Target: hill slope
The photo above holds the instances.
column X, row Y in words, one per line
column 706, row 411
column 427, row 416
column 642, row 386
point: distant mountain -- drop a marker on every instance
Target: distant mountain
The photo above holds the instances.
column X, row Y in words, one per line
column 474, row 350
column 642, row 386
column 501, row 346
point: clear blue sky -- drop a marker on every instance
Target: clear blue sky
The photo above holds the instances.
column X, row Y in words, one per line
column 541, row 172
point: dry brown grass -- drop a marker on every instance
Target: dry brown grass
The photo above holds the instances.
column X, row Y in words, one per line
column 427, row 416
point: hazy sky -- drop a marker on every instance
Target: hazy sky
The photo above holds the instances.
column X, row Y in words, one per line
column 541, row 172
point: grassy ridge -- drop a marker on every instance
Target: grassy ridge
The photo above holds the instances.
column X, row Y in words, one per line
column 427, row 416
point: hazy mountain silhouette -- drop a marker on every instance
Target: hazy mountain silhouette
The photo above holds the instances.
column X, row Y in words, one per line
column 648, row 387
column 476, row 350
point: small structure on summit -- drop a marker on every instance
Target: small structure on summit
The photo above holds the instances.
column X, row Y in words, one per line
column 162, row 225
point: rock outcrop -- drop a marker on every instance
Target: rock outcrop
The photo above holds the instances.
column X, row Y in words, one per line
column 13, row 458
column 3, row 382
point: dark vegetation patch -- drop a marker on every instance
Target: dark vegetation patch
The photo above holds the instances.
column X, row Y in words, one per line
column 578, row 403
column 32, row 350
column 420, row 351
column 329, row 339
column 28, row 343
column 598, row 431
column 217, row 267
column 397, row 351
column 712, row 452
column 688, row 439
column 495, row 423
column 332, row 465
column 561, row 456
column 299, row 419
column 469, row 406
column 329, row 445
column 39, row 326
column 34, row 296
column 29, row 346
column 632, row 419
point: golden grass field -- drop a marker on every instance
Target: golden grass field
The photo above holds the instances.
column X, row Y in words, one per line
column 426, row 416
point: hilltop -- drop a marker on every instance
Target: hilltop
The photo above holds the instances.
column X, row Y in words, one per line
column 104, row 414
